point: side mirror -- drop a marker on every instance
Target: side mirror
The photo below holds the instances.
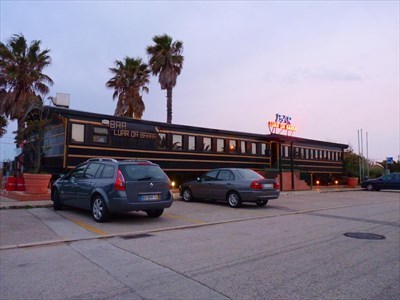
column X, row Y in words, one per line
column 63, row 176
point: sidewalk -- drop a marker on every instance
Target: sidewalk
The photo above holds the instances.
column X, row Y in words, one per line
column 9, row 203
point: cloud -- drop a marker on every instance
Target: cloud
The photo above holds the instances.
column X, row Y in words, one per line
column 321, row 74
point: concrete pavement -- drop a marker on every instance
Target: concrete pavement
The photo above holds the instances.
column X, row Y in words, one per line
column 9, row 203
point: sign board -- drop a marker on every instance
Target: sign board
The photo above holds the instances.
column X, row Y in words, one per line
column 281, row 123
column 389, row 160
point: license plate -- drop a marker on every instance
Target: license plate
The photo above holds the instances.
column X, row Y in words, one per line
column 268, row 185
column 149, row 197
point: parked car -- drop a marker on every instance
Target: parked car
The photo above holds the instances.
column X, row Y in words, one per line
column 388, row 181
column 232, row 185
column 107, row 186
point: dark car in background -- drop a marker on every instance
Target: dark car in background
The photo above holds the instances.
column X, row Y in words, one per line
column 233, row 185
column 388, row 182
column 106, row 186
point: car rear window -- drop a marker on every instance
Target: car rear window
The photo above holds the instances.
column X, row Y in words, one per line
column 143, row 172
column 248, row 174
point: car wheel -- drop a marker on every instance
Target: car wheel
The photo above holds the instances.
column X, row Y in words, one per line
column 154, row 213
column 262, row 203
column 99, row 209
column 187, row 195
column 234, row 200
column 55, row 197
column 370, row 187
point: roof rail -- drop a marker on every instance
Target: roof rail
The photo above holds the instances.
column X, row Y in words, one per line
column 102, row 159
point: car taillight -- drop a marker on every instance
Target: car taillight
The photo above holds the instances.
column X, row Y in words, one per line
column 276, row 186
column 256, row 185
column 120, row 184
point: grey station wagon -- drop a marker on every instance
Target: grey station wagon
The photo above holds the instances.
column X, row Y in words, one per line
column 107, row 186
column 233, row 185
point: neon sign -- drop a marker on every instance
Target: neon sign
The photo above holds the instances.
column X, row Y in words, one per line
column 282, row 122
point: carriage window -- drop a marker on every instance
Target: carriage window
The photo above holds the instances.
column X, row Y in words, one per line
column 243, row 146
column 263, row 149
column 100, row 135
column 253, row 148
column 78, row 133
column 232, row 146
column 192, row 143
column 162, row 141
column 207, row 144
column 220, row 145
column 176, row 142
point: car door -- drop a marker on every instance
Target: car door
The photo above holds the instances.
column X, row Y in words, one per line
column 223, row 184
column 85, row 184
column 68, row 185
column 204, row 187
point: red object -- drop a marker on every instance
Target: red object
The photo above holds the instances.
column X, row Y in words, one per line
column 11, row 183
column 256, row 185
column 20, row 184
column 120, row 184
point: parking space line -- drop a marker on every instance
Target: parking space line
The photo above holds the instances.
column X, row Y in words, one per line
column 180, row 217
column 88, row 227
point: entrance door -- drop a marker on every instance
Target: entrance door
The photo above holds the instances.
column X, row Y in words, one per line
column 275, row 155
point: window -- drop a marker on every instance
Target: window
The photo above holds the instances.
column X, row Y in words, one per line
column 307, row 153
column 78, row 172
column 285, row 151
column 225, row 175
column 253, row 148
column 107, row 172
column 220, row 145
column 100, row 135
column 176, row 142
column 78, row 133
column 191, row 143
column 264, row 149
column 162, row 141
column 243, row 146
column 207, row 144
column 212, row 175
column 92, row 170
column 232, row 146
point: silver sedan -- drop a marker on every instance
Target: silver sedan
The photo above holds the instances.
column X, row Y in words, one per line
column 232, row 185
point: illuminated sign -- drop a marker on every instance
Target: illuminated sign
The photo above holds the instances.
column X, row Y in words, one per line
column 122, row 129
column 281, row 123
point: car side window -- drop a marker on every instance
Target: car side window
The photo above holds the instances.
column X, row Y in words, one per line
column 225, row 175
column 107, row 172
column 78, row 171
column 210, row 176
column 92, row 170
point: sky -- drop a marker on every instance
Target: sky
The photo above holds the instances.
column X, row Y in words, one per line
column 332, row 66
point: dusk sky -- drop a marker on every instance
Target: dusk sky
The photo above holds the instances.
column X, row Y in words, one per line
column 333, row 66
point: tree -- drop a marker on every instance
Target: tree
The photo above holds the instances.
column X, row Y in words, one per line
column 130, row 80
column 3, row 125
column 166, row 60
column 22, row 81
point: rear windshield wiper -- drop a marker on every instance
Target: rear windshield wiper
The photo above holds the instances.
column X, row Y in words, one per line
column 144, row 178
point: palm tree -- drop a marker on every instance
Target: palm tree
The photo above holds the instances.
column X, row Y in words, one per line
column 22, row 81
column 166, row 60
column 130, row 80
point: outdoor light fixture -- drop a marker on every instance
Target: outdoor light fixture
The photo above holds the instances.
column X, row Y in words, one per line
column 317, row 182
column 336, row 182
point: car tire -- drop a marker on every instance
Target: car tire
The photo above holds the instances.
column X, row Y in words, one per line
column 99, row 209
column 55, row 197
column 370, row 187
column 261, row 203
column 234, row 200
column 154, row 213
column 187, row 195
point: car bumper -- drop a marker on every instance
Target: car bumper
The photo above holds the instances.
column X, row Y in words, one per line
column 254, row 196
column 121, row 204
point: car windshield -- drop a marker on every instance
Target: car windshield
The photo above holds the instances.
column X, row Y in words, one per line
column 248, row 174
column 142, row 172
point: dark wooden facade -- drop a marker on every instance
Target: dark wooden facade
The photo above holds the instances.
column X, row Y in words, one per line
column 184, row 152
